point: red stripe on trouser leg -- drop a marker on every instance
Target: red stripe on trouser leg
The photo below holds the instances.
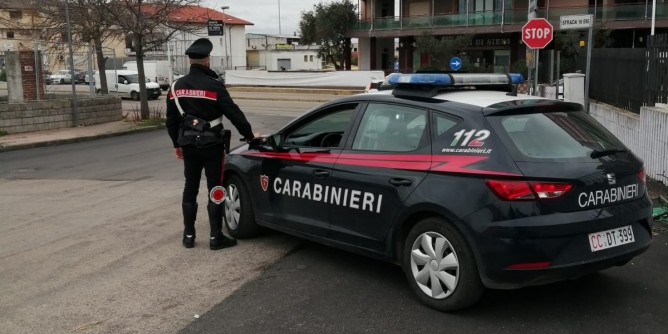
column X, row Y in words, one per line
column 222, row 168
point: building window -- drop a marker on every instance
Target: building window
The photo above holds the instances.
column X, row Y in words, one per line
column 10, row 35
column 305, row 58
column 15, row 14
column 311, row 56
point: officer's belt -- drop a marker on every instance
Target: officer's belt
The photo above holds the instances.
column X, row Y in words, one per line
column 203, row 133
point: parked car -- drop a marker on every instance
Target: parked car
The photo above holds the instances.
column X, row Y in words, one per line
column 79, row 76
column 61, row 77
column 457, row 178
column 47, row 77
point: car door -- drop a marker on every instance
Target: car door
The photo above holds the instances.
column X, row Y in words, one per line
column 296, row 179
column 383, row 163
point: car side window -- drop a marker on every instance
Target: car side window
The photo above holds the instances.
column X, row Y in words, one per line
column 323, row 131
column 394, row 128
column 443, row 123
column 121, row 79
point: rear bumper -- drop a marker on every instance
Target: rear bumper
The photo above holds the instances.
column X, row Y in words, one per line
column 559, row 241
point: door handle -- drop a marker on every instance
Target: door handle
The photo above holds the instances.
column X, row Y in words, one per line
column 320, row 173
column 400, row 182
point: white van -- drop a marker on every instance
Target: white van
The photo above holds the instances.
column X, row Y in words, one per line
column 126, row 84
column 156, row 70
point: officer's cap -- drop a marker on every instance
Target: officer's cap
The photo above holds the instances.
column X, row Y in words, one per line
column 200, row 48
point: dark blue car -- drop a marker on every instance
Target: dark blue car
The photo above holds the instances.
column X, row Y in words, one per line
column 457, row 178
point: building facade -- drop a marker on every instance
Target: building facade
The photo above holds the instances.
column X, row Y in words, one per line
column 281, row 53
column 389, row 26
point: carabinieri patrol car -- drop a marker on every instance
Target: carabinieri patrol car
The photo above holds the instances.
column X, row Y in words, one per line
column 463, row 182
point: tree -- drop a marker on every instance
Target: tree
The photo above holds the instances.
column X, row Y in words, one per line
column 442, row 49
column 568, row 42
column 92, row 22
column 88, row 25
column 326, row 25
column 150, row 24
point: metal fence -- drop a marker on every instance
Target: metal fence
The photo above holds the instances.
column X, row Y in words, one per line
column 630, row 78
column 657, row 70
column 54, row 66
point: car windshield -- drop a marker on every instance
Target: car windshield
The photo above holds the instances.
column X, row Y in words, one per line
column 132, row 78
column 555, row 135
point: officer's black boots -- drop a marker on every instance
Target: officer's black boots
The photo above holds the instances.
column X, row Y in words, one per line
column 218, row 239
column 189, row 215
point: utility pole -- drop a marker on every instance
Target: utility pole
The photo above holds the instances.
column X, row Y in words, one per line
column 224, row 38
column 75, row 114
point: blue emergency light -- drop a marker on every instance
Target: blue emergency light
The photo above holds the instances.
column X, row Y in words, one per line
column 455, row 79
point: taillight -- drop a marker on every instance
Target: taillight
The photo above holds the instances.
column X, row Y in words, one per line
column 523, row 190
column 511, row 190
column 550, row 190
column 641, row 176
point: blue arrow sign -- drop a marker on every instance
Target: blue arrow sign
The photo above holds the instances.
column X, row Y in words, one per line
column 455, row 63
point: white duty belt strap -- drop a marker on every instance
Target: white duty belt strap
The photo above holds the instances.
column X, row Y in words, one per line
column 213, row 123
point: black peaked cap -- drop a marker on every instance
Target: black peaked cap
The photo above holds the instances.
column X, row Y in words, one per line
column 200, row 48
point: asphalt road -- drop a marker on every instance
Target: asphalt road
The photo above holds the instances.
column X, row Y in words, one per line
column 90, row 243
column 90, row 237
column 317, row 289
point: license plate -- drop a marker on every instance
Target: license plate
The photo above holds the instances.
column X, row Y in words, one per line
column 611, row 238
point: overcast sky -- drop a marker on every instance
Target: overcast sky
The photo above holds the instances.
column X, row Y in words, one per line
column 264, row 13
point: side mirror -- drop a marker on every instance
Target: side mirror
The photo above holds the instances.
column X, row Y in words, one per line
column 125, row 82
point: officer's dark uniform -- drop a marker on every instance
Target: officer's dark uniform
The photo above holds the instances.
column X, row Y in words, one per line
column 200, row 94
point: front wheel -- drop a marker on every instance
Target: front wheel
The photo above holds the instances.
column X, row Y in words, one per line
column 239, row 216
column 440, row 266
column 134, row 96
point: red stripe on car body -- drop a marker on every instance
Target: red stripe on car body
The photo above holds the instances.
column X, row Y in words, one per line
column 436, row 163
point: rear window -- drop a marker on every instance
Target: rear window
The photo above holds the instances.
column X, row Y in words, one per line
column 554, row 135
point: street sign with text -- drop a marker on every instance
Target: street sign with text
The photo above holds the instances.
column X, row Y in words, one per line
column 575, row 21
column 215, row 27
column 537, row 33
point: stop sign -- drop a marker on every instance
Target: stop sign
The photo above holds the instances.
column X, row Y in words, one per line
column 537, row 33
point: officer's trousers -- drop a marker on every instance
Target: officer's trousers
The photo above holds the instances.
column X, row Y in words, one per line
column 194, row 160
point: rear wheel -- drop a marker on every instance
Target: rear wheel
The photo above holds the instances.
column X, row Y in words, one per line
column 239, row 216
column 134, row 96
column 62, row 81
column 440, row 266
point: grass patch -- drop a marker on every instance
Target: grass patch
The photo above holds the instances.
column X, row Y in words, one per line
column 3, row 133
column 156, row 117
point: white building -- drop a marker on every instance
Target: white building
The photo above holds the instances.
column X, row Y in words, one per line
column 229, row 49
column 280, row 53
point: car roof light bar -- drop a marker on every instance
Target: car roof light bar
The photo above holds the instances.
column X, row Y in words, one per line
column 455, row 79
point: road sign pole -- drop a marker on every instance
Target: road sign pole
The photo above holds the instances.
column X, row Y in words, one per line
column 535, row 81
column 588, row 71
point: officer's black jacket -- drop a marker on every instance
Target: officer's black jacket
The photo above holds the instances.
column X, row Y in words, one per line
column 201, row 95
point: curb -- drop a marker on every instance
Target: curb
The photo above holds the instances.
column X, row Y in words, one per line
column 53, row 142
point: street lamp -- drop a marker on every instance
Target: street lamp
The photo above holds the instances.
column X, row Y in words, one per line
column 224, row 38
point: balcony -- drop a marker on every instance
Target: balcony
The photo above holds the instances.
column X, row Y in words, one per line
column 633, row 12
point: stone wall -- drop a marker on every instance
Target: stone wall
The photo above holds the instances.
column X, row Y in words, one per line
column 57, row 113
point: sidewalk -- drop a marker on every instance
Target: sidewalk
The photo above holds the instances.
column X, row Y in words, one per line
column 25, row 140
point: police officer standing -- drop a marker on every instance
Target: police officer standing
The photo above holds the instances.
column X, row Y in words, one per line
column 196, row 104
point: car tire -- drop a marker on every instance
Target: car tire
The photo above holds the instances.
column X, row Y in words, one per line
column 434, row 253
column 62, row 81
column 134, row 96
column 239, row 216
